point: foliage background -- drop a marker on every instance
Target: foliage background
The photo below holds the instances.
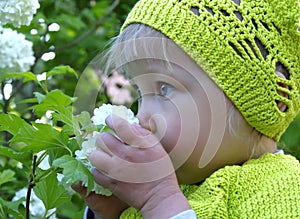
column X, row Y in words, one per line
column 85, row 29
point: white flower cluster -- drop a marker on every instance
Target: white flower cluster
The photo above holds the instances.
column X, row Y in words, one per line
column 16, row 53
column 87, row 147
column 101, row 113
column 36, row 206
column 17, row 12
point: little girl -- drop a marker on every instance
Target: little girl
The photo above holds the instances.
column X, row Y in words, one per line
column 218, row 84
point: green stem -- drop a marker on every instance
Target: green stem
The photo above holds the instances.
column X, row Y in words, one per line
column 44, row 175
column 45, row 216
column 43, row 85
column 41, row 158
column 2, row 213
column 68, row 149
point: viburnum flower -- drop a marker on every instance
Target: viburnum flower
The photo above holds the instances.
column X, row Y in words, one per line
column 16, row 52
column 88, row 146
column 101, row 113
column 17, row 12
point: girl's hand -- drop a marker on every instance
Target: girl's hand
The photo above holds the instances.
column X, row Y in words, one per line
column 103, row 207
column 137, row 169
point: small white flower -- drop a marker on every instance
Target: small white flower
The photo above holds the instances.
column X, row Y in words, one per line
column 17, row 12
column 87, row 148
column 16, row 52
column 101, row 113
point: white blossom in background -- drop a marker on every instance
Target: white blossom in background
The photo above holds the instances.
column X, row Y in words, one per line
column 44, row 165
column 36, row 206
column 16, row 52
column 88, row 146
column 17, row 12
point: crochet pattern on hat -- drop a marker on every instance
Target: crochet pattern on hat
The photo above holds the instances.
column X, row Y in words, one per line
column 241, row 45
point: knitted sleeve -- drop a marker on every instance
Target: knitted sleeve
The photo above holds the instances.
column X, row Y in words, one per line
column 210, row 199
column 268, row 187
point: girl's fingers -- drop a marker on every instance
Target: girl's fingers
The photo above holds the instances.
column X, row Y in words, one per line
column 134, row 156
column 131, row 134
column 149, row 149
column 134, row 165
column 101, row 160
column 104, row 180
column 79, row 189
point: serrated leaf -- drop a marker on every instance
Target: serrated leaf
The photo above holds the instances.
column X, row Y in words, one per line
column 56, row 153
column 40, row 138
column 58, row 70
column 64, row 114
column 74, row 171
column 7, row 176
column 12, row 123
column 51, row 101
column 23, row 157
column 51, row 192
column 27, row 76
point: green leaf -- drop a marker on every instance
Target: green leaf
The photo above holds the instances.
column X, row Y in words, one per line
column 64, row 114
column 12, row 207
column 41, row 137
column 51, row 192
column 12, row 123
column 57, row 98
column 85, row 121
column 23, row 157
column 7, row 176
column 56, row 153
column 40, row 97
column 63, row 69
column 27, row 76
column 29, row 100
column 51, row 101
column 75, row 171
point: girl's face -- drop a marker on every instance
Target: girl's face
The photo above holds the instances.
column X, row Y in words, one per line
column 187, row 112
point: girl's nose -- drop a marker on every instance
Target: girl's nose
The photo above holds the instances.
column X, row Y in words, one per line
column 144, row 120
column 144, row 115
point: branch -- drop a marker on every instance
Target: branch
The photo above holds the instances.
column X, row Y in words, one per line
column 90, row 31
column 30, row 187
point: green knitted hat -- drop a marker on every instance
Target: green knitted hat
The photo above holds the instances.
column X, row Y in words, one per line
column 243, row 43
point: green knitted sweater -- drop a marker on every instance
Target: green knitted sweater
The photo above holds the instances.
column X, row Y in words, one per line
column 267, row 187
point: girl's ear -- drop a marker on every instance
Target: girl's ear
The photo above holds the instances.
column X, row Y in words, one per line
column 281, row 105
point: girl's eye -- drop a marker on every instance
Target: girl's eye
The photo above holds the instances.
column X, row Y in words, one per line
column 165, row 89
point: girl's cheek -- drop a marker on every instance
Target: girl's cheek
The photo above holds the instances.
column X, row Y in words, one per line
column 170, row 136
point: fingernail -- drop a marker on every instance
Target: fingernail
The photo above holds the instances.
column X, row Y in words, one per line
column 108, row 120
